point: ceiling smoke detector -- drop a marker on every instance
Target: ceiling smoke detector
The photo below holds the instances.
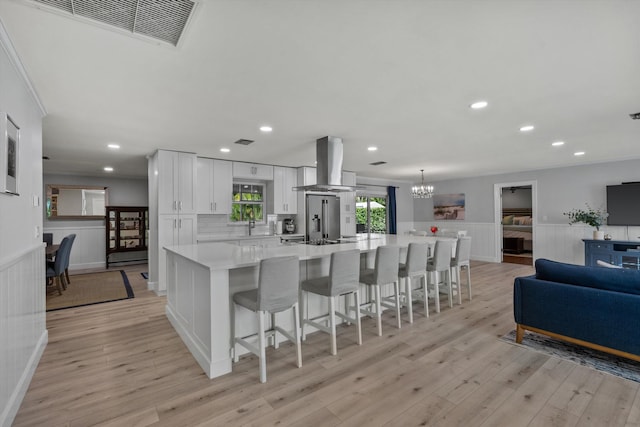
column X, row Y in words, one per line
column 635, row 116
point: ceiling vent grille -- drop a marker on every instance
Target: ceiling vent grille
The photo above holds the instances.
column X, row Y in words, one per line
column 378, row 163
column 244, row 141
column 159, row 19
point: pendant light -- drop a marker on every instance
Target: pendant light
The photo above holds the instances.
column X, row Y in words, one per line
column 422, row 191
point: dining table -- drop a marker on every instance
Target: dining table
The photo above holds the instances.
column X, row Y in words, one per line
column 51, row 250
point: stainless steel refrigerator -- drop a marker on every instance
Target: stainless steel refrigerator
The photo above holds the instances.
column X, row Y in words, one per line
column 323, row 218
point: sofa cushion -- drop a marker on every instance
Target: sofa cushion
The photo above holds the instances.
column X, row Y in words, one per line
column 618, row 280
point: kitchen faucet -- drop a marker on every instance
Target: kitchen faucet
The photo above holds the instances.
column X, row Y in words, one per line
column 252, row 224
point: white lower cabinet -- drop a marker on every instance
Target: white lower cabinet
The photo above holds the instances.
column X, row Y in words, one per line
column 173, row 230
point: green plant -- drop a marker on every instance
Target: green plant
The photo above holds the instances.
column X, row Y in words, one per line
column 589, row 216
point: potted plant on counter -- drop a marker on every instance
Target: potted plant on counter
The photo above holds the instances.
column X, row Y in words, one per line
column 589, row 216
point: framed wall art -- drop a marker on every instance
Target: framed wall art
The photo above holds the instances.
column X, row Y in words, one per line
column 9, row 152
column 448, row 206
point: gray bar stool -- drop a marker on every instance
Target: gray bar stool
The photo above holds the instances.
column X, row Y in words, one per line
column 344, row 272
column 460, row 261
column 415, row 267
column 277, row 291
column 385, row 272
column 441, row 263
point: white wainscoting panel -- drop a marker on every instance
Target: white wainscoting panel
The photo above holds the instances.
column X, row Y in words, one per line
column 483, row 246
column 88, row 249
column 23, row 334
column 558, row 242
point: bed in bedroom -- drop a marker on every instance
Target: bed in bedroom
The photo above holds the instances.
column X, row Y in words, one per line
column 517, row 230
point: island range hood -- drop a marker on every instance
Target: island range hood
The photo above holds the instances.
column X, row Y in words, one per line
column 329, row 156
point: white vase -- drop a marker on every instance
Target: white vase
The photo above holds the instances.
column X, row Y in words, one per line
column 598, row 235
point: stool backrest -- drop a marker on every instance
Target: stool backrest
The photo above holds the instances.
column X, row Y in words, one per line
column 463, row 249
column 442, row 255
column 278, row 283
column 386, row 266
column 417, row 257
column 344, row 271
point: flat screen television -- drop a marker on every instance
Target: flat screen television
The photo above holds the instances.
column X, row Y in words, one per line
column 623, row 204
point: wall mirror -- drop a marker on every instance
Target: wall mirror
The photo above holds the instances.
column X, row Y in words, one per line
column 76, row 202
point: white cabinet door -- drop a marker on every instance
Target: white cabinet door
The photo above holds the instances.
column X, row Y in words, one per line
column 167, row 185
column 204, row 176
column 284, row 198
column 348, row 203
column 290, row 195
column 176, row 182
column 186, row 230
column 167, row 226
column 186, row 183
column 252, row 171
column 347, row 225
column 222, row 186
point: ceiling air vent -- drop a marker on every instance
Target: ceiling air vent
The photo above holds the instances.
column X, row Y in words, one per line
column 159, row 19
column 244, row 141
column 378, row 163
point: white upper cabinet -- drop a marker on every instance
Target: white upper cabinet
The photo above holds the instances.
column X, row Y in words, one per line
column 205, row 186
column 307, row 176
column 285, row 200
column 349, row 178
column 252, row 171
column 215, row 185
column 176, row 182
column 222, row 186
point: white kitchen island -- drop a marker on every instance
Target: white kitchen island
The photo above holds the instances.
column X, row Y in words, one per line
column 201, row 279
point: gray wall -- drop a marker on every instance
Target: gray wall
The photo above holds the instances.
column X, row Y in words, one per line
column 519, row 198
column 122, row 192
column 559, row 190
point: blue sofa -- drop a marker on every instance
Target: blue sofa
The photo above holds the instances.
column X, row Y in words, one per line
column 594, row 307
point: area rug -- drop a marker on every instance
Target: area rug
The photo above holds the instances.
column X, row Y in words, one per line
column 609, row 363
column 91, row 288
column 145, row 275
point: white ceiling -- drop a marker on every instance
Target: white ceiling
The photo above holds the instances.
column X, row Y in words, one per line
column 396, row 74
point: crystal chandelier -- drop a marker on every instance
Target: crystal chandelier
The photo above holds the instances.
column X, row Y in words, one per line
column 422, row 191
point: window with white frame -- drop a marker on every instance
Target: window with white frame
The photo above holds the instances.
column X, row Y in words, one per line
column 248, row 202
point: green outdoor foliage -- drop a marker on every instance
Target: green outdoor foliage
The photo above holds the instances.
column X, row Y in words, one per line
column 378, row 215
column 252, row 210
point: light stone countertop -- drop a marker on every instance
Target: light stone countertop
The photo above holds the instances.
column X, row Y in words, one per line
column 225, row 256
column 228, row 238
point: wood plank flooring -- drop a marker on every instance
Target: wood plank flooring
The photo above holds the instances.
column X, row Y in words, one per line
column 122, row 364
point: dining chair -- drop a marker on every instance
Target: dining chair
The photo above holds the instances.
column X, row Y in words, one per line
column 344, row 271
column 55, row 269
column 278, row 281
column 441, row 263
column 415, row 266
column 72, row 238
column 458, row 262
column 384, row 273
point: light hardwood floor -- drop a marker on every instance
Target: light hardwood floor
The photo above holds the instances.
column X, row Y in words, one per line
column 122, row 364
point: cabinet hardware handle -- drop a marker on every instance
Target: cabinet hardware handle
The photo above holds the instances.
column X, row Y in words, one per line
column 179, row 223
column 174, row 223
column 215, row 206
column 180, row 205
column 174, row 205
column 211, row 206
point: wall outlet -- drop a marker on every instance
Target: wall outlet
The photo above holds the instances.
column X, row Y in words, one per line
column 37, row 233
column 36, row 200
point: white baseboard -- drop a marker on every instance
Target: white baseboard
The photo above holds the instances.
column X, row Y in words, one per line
column 15, row 400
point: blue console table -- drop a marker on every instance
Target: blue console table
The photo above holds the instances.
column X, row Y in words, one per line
column 618, row 252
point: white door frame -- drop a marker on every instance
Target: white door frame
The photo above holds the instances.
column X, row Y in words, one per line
column 497, row 198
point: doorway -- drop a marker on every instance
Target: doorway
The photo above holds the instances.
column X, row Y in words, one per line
column 371, row 214
column 515, row 225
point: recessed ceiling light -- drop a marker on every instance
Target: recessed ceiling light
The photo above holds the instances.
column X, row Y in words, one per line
column 225, row 150
column 372, row 148
column 526, row 128
column 113, row 146
column 579, row 153
column 479, row 105
column 557, row 143
column 108, row 169
column 266, row 128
